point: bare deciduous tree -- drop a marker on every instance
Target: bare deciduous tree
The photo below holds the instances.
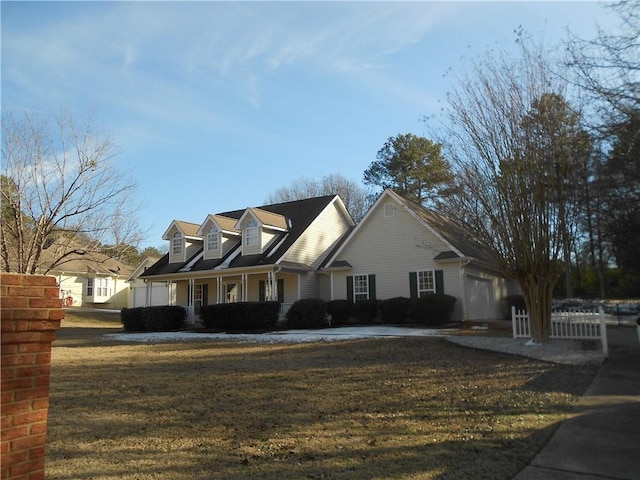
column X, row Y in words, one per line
column 509, row 153
column 61, row 194
column 355, row 198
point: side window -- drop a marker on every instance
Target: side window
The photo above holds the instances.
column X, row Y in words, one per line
column 425, row 282
column 89, row 287
column 213, row 238
column 361, row 287
column 176, row 243
column 251, row 233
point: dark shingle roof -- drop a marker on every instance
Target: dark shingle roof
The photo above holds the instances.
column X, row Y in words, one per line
column 299, row 214
column 458, row 237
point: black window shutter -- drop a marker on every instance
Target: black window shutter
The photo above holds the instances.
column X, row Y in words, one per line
column 281, row 290
column 261, row 291
column 413, row 284
column 372, row 287
column 350, row 288
column 439, row 281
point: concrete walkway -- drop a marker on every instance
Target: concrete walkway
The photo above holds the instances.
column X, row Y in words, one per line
column 602, row 441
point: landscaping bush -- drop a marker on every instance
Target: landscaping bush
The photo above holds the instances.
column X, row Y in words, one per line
column 432, row 309
column 153, row 319
column 164, row 319
column 308, row 313
column 339, row 311
column 394, row 310
column 365, row 311
column 132, row 319
column 512, row 301
column 241, row 316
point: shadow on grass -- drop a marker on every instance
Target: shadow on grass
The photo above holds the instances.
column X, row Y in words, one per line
column 383, row 408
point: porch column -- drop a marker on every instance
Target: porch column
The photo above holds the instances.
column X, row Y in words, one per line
column 220, row 291
column 331, row 284
column 244, row 292
column 272, row 285
column 190, row 309
column 170, row 292
column 148, row 285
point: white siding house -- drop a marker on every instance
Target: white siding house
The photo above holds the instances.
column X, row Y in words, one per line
column 262, row 253
column 401, row 249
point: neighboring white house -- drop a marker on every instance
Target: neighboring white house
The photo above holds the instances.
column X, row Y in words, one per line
column 263, row 253
column 312, row 249
column 93, row 280
column 158, row 294
column 401, row 249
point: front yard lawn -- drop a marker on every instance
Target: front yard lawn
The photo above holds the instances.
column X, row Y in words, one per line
column 391, row 408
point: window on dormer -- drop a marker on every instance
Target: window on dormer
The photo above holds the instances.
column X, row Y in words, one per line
column 176, row 244
column 251, row 233
column 213, row 238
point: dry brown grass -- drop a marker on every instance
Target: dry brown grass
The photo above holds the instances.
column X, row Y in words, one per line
column 383, row 408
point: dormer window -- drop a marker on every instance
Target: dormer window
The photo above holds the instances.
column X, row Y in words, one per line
column 177, row 244
column 251, row 233
column 213, row 238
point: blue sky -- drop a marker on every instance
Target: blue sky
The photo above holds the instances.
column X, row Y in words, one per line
column 215, row 105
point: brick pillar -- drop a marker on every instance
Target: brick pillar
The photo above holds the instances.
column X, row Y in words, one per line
column 31, row 314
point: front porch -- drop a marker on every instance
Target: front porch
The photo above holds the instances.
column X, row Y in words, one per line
column 195, row 292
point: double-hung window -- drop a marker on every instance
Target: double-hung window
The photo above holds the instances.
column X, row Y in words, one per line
column 213, row 239
column 89, row 287
column 176, row 244
column 103, row 289
column 360, row 287
column 251, row 233
column 426, row 283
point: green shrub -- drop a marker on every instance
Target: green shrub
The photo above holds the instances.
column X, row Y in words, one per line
column 432, row 309
column 164, row 319
column 308, row 313
column 132, row 319
column 153, row 319
column 339, row 311
column 365, row 311
column 394, row 310
column 241, row 316
column 512, row 301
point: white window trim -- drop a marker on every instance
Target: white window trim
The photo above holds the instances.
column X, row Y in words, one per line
column 213, row 237
column 426, row 291
column 360, row 288
column 177, row 244
column 251, row 234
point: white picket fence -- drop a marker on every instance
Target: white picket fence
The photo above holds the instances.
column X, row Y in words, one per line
column 588, row 325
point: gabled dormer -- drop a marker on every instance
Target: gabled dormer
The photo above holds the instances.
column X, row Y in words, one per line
column 183, row 239
column 259, row 227
column 219, row 235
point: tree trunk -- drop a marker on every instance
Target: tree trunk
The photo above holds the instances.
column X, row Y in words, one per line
column 538, row 294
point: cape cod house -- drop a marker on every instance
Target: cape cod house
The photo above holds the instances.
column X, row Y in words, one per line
column 271, row 252
column 312, row 249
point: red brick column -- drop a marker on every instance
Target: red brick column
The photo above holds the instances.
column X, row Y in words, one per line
column 31, row 314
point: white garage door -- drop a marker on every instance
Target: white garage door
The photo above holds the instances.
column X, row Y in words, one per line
column 159, row 296
column 479, row 298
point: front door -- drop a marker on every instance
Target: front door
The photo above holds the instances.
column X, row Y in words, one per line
column 231, row 292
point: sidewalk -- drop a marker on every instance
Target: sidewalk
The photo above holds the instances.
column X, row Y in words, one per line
column 603, row 440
